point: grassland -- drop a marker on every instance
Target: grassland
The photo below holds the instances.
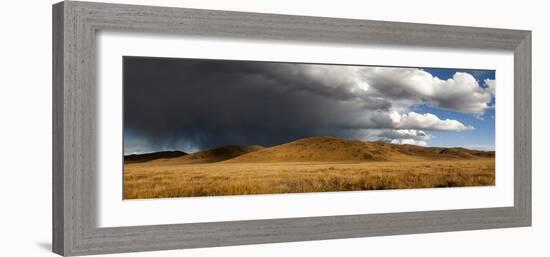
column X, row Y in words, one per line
column 160, row 179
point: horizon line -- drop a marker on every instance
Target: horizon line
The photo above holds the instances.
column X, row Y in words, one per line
column 485, row 148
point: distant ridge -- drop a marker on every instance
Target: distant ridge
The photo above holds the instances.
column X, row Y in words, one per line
column 135, row 158
column 213, row 155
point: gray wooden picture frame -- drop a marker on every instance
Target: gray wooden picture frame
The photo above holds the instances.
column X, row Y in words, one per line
column 75, row 25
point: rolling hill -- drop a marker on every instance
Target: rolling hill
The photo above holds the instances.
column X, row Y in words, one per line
column 313, row 149
column 318, row 149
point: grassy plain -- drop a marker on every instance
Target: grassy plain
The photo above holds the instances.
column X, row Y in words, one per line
column 160, row 180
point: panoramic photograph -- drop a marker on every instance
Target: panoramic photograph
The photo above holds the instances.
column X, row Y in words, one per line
column 207, row 127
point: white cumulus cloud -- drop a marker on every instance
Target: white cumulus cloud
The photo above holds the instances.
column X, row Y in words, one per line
column 460, row 93
column 409, row 141
column 427, row 121
column 398, row 136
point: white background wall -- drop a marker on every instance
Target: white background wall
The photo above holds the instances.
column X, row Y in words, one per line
column 25, row 128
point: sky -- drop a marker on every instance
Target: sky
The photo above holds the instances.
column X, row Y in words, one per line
column 198, row 104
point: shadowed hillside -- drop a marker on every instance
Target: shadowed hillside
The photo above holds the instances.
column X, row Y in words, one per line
column 212, row 155
column 135, row 158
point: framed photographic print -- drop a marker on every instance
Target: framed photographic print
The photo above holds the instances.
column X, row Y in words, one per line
column 182, row 128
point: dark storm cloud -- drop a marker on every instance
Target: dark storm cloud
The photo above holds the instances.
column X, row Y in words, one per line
column 212, row 103
column 199, row 104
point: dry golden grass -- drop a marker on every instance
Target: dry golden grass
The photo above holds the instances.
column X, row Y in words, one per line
column 154, row 180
